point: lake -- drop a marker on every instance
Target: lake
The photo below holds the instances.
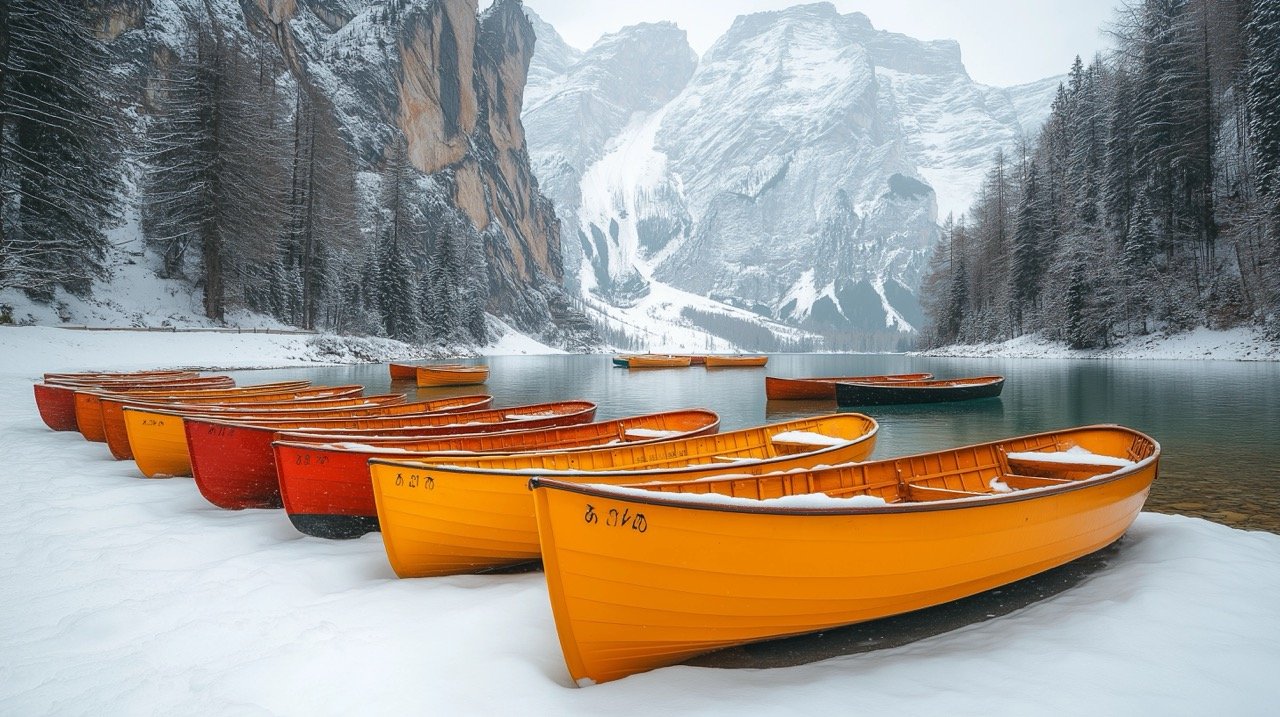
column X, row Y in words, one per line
column 1217, row 421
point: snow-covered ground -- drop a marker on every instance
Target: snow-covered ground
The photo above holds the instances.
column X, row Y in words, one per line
column 1240, row 344
column 126, row 596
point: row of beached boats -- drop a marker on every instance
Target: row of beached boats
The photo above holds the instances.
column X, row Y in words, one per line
column 661, row 537
column 678, row 361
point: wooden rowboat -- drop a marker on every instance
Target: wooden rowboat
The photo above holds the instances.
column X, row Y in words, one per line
column 234, row 467
column 461, row 514
column 657, row 361
column 409, row 371
column 324, row 479
column 118, row 437
column 714, row 361
column 92, row 421
column 880, row 394
column 95, row 375
column 818, row 389
column 641, row 578
column 55, row 400
column 454, row 375
column 159, row 443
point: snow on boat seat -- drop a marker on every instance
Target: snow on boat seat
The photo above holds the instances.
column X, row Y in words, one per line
column 802, row 441
column 641, row 434
column 1060, row 464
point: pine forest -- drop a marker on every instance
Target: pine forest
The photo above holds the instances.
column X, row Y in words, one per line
column 1149, row 201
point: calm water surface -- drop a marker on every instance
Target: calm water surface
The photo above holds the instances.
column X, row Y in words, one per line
column 1217, row 421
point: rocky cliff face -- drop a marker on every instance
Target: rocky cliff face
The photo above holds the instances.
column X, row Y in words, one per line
column 796, row 171
column 447, row 78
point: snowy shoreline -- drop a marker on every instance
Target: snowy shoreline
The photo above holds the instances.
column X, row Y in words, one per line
column 1241, row 344
column 127, row 596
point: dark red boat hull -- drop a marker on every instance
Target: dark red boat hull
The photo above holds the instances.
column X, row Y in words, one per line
column 57, row 406
column 234, row 465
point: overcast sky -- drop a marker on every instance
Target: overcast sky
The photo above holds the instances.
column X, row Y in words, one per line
column 1003, row 42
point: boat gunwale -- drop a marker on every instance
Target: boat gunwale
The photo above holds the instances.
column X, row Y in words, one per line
column 870, row 435
column 932, row 384
column 231, row 418
column 288, row 437
column 631, row 494
column 267, row 423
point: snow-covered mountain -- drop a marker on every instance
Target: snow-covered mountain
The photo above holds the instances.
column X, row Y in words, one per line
column 796, row 171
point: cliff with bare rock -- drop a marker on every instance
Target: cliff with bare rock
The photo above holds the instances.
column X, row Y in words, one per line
column 385, row 182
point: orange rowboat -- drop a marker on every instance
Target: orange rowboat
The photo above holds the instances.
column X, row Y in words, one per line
column 54, row 377
column 819, row 389
column 55, row 400
column 324, row 480
column 713, row 361
column 409, row 371
column 317, row 397
column 234, row 466
column 651, row 575
column 91, row 421
column 454, row 375
column 654, row 361
column 462, row 514
column 159, row 444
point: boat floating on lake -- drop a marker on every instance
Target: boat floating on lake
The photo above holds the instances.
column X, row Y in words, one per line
column 652, row 361
column 824, row 388
column 930, row 391
column 450, row 375
column 734, row 361
column 650, row 575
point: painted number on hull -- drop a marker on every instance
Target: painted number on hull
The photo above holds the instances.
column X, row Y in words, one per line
column 414, row 480
column 152, row 422
column 221, row 431
column 615, row 518
column 304, row 459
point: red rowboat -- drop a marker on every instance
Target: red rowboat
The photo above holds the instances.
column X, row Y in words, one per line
column 234, row 465
column 325, row 484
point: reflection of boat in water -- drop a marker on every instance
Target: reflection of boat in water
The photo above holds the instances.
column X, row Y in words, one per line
column 650, row 574
column 935, row 391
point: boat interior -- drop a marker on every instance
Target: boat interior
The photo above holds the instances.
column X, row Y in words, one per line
column 972, row 471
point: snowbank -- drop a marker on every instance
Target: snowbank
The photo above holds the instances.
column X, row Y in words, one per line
column 125, row 596
column 1240, row 344
column 29, row 351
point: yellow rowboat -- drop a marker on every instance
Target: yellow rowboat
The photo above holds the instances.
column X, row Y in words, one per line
column 158, row 440
column 452, row 375
column 713, row 361
column 88, row 402
column 475, row 513
column 650, row 575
